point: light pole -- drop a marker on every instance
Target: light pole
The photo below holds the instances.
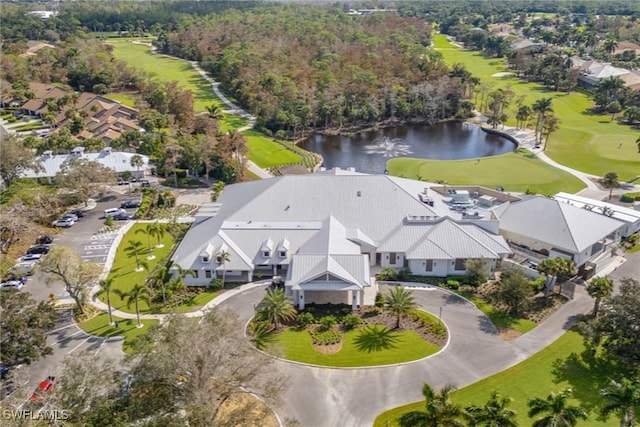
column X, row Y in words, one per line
column 440, row 315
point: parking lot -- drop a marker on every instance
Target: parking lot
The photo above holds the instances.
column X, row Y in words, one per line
column 88, row 238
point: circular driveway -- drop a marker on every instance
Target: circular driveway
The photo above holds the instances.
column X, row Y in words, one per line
column 320, row 396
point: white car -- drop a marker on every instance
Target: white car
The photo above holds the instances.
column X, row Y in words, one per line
column 12, row 284
column 25, row 264
column 114, row 212
column 63, row 222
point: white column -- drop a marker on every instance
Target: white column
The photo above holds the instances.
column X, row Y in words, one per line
column 354, row 301
column 361, row 292
column 300, row 299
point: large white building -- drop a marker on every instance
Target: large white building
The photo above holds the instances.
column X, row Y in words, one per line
column 327, row 233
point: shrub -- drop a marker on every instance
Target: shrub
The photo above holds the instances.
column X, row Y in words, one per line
column 328, row 322
column 453, row 284
column 215, row 284
column 538, row 284
column 387, row 273
column 379, row 300
column 350, row 321
column 404, row 274
column 327, row 337
column 304, row 319
column 108, row 221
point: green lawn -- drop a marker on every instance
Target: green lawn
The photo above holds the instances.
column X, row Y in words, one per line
column 266, row 153
column 297, row 345
column 123, row 269
column 123, row 97
column 197, row 302
column 167, row 68
column 231, row 122
column 585, row 141
column 99, row 326
column 516, row 171
column 501, row 319
column 565, row 363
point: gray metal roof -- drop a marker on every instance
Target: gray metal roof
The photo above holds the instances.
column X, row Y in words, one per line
column 353, row 270
column 558, row 224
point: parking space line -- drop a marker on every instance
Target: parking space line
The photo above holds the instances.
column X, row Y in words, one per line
column 91, row 247
column 61, row 328
column 94, row 256
column 76, row 347
column 104, row 340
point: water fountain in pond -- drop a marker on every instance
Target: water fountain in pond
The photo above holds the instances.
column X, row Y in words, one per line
column 388, row 147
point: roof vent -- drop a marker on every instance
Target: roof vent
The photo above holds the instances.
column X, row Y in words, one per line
column 359, row 193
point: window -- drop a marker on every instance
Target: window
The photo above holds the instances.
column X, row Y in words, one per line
column 266, row 254
column 195, row 274
column 283, row 254
column 459, row 265
column 205, row 259
column 207, row 274
column 429, row 265
column 392, row 258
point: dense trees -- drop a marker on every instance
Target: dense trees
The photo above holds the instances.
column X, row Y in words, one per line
column 23, row 324
column 85, row 178
column 15, row 158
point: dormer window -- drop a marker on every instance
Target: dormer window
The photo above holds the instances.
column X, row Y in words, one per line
column 205, row 259
column 283, row 254
column 205, row 254
column 266, row 254
column 283, row 248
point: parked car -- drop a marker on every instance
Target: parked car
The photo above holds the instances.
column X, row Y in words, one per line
column 30, row 257
column 70, row 216
column 113, row 211
column 44, row 240
column 39, row 249
column 131, row 204
column 134, row 179
column 16, row 284
column 145, row 183
column 77, row 212
column 46, row 386
column 122, row 216
column 63, row 222
column 24, row 265
column 122, row 181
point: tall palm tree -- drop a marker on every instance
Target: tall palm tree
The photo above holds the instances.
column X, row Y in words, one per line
column 223, row 258
column 556, row 410
column 554, row 267
column 623, row 399
column 105, row 288
column 610, row 46
column 541, row 107
column 599, row 288
column 399, row 301
column 155, row 229
column 146, row 232
column 494, row 413
column 610, row 181
column 135, row 249
column 276, row 308
column 133, row 296
column 523, row 114
column 440, row 411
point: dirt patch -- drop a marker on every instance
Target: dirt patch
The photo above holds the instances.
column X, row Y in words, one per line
column 328, row 349
column 509, row 334
column 247, row 410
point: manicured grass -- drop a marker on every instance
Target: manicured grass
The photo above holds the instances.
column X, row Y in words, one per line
column 231, row 122
column 168, row 69
column 123, row 270
column 585, row 141
column 127, row 99
column 197, row 302
column 634, row 249
column 516, row 171
column 266, row 153
column 565, row 363
column 99, row 326
column 501, row 319
column 297, row 345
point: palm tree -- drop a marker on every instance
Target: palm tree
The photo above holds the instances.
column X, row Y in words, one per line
column 440, row 411
column 223, row 258
column 494, row 413
column 610, row 181
column 137, row 161
column 276, row 308
column 599, row 288
column 554, row 267
column 146, row 232
column 610, row 46
column 556, row 410
column 133, row 296
column 622, row 398
column 135, row 249
column 155, row 229
column 541, row 107
column 215, row 112
column 105, row 288
column 399, row 301
column 638, row 143
column 523, row 114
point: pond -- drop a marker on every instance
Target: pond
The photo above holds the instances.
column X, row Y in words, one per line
column 369, row 151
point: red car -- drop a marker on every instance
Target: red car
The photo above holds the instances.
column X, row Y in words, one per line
column 44, row 387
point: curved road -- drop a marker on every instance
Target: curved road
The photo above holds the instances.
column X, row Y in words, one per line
column 352, row 397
